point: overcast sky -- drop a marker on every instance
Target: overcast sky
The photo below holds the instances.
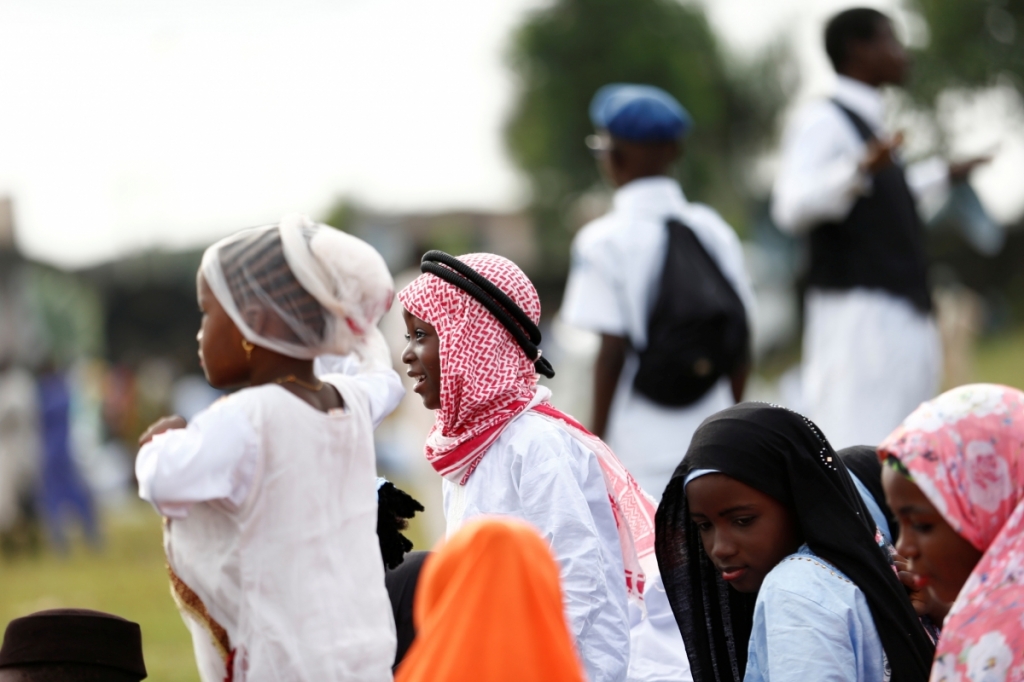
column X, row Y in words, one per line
column 129, row 124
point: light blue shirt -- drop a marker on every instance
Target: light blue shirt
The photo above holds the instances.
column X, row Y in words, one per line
column 812, row 623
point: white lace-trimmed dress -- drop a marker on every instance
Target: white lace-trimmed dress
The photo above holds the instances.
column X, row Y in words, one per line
column 270, row 534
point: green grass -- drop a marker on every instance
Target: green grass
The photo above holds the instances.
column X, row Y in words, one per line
column 1000, row 359
column 128, row 578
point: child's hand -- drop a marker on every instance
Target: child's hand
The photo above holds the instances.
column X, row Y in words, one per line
column 161, row 425
column 918, row 596
column 925, row 603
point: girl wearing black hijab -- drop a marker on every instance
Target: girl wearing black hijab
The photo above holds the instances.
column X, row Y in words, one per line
column 772, row 563
column 863, row 464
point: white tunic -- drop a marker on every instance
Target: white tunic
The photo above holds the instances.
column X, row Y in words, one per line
column 272, row 523
column 657, row 652
column 537, row 472
column 617, row 261
column 870, row 358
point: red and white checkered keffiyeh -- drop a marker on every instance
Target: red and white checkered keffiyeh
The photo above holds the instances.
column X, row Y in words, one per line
column 487, row 380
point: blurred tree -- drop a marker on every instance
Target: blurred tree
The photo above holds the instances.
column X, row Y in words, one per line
column 564, row 53
column 342, row 214
column 971, row 43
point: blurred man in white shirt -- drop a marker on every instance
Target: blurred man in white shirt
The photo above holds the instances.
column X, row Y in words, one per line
column 617, row 265
column 871, row 349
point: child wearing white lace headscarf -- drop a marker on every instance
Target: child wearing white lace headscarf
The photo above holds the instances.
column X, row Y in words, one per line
column 270, row 494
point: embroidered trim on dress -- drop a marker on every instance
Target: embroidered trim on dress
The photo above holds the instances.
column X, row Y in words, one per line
column 820, row 564
column 189, row 602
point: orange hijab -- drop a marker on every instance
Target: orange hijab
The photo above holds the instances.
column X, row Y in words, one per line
column 489, row 609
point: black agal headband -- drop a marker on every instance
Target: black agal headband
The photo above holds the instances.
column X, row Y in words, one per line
column 497, row 302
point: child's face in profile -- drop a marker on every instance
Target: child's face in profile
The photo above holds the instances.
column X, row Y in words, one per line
column 941, row 557
column 422, row 355
column 744, row 531
column 220, row 343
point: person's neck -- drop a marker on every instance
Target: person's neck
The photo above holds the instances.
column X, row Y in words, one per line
column 281, row 367
column 297, row 377
column 862, row 76
column 633, row 177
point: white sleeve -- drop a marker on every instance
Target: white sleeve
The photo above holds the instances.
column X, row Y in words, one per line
column 383, row 389
column 593, row 299
column 214, row 458
column 554, row 502
column 656, row 649
column 373, row 375
column 381, row 385
column 336, row 364
column 929, row 180
column 819, row 178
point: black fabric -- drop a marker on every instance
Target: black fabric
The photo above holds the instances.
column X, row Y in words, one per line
column 697, row 332
column 880, row 244
column 394, row 508
column 786, row 456
column 401, row 583
column 497, row 302
column 74, row 636
column 863, row 461
column 71, row 672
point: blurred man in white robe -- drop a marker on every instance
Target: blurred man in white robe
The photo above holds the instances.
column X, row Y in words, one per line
column 871, row 348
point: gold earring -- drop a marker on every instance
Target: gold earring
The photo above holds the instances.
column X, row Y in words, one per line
column 247, row 347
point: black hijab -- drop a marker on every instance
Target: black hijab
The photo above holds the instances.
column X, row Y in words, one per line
column 863, row 462
column 781, row 454
column 401, row 583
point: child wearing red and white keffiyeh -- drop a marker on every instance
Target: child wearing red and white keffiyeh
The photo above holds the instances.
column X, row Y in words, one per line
column 503, row 449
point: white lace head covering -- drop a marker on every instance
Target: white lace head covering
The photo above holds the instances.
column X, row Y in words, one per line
column 301, row 288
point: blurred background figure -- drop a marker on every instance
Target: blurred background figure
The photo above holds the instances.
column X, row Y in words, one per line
column 63, row 493
column 191, row 395
column 19, row 460
column 871, row 347
column 662, row 281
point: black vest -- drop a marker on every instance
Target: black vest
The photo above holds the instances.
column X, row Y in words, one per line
column 880, row 244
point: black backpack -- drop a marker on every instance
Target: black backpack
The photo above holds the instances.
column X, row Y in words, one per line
column 697, row 331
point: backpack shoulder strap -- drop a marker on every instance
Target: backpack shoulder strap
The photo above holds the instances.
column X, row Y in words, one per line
column 863, row 129
column 680, row 231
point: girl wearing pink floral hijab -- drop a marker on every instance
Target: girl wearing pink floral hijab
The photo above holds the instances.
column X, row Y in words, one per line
column 956, row 484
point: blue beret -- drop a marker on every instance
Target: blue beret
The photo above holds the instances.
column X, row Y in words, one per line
column 641, row 113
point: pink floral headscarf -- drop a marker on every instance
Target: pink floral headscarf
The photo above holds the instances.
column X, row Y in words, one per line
column 965, row 451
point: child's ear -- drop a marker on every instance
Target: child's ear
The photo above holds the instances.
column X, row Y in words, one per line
column 256, row 318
